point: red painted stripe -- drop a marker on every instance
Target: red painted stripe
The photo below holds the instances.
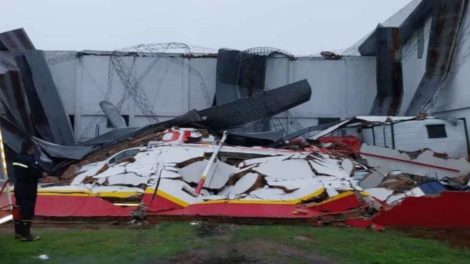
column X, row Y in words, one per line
column 243, row 210
column 410, row 161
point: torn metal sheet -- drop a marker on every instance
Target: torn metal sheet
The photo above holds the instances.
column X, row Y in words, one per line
column 15, row 41
column 113, row 115
column 15, row 101
column 46, row 106
column 61, row 151
column 110, row 136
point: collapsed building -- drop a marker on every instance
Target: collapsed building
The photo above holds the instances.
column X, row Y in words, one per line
column 140, row 131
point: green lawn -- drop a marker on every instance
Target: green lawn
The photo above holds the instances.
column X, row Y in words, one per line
column 225, row 243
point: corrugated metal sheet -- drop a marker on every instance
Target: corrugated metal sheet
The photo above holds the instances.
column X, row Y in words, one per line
column 262, row 105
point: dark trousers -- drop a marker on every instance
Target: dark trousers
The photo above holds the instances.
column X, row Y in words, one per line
column 26, row 206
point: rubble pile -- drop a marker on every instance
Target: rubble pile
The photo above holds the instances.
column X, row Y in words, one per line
column 331, row 181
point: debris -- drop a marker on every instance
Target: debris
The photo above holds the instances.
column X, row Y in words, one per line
column 328, row 55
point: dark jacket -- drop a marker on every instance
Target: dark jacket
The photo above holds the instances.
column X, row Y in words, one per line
column 27, row 175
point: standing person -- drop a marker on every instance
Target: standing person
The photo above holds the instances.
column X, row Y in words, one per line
column 27, row 175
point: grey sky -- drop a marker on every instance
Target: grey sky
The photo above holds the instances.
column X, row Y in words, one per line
column 299, row 26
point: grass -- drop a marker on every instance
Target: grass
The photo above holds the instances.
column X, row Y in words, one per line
column 183, row 243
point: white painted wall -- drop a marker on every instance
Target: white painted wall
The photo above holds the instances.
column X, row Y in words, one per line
column 455, row 92
column 413, row 66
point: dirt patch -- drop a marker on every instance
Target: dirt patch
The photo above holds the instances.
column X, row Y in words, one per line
column 459, row 238
column 253, row 251
column 215, row 256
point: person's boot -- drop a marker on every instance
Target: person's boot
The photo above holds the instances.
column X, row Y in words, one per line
column 18, row 229
column 27, row 232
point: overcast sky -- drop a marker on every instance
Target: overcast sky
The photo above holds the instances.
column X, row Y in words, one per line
column 302, row 27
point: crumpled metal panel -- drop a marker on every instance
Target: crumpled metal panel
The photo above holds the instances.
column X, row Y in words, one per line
column 15, row 41
column 113, row 115
column 223, row 117
column 47, row 111
column 389, row 72
column 13, row 98
column 446, row 21
column 13, row 136
column 111, row 136
column 254, row 138
column 61, row 151
column 257, row 107
column 227, row 76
